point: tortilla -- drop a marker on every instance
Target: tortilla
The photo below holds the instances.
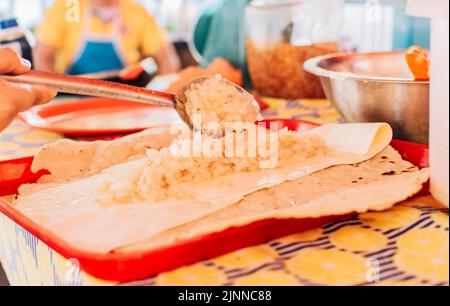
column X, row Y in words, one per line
column 77, row 219
column 374, row 185
column 68, row 159
column 339, row 138
column 71, row 210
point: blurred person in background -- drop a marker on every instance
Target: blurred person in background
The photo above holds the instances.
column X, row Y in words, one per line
column 110, row 35
column 210, row 39
column 16, row 98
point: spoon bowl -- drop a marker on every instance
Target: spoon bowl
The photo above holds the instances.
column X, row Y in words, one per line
column 181, row 97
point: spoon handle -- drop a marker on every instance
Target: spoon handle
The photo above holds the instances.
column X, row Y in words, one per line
column 91, row 87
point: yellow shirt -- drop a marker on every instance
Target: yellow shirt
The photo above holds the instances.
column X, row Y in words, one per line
column 140, row 34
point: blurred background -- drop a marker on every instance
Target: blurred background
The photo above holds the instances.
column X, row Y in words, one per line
column 369, row 25
column 192, row 27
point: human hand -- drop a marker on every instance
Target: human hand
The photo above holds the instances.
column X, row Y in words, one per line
column 16, row 98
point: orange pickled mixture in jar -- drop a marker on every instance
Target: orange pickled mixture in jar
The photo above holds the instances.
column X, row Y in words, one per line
column 277, row 70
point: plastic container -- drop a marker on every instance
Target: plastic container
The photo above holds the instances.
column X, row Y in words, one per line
column 12, row 36
column 438, row 11
column 138, row 265
column 281, row 36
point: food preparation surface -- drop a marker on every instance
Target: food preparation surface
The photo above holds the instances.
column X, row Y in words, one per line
column 407, row 245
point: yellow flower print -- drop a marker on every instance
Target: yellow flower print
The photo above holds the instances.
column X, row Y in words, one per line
column 397, row 284
column 65, row 268
column 8, row 146
column 329, row 113
column 424, row 253
column 315, row 119
column 316, row 103
column 294, row 112
column 196, row 275
column 6, row 157
column 11, row 239
column 249, row 257
column 354, row 238
column 307, row 236
column 433, row 268
column 21, row 276
column 267, row 278
column 29, row 151
column 274, row 103
column 440, row 218
column 425, row 241
column 328, row 267
column 28, row 262
column 37, row 137
column 5, row 247
column 394, row 218
column 45, row 265
column 13, row 278
column 15, row 129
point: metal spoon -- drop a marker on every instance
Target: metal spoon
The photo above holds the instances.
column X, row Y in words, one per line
column 98, row 88
column 181, row 99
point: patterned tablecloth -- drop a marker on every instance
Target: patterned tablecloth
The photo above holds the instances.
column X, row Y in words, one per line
column 407, row 245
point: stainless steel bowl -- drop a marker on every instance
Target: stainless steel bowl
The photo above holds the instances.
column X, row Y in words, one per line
column 375, row 87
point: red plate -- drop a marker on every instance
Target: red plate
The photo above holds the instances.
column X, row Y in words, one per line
column 139, row 265
column 97, row 117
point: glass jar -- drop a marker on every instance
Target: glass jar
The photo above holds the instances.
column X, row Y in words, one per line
column 281, row 36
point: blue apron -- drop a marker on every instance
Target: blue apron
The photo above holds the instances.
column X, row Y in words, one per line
column 97, row 52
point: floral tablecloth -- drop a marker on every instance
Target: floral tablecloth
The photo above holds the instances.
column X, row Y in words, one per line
column 407, row 245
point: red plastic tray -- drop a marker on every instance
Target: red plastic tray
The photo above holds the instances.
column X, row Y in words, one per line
column 139, row 265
